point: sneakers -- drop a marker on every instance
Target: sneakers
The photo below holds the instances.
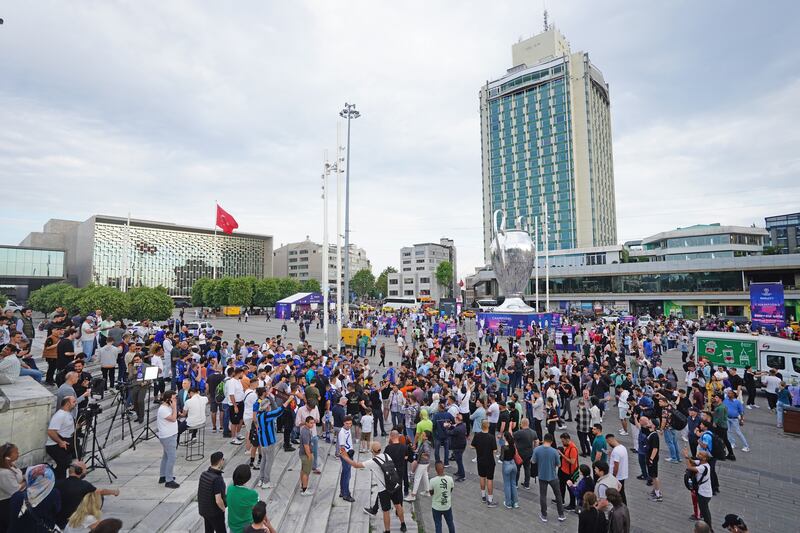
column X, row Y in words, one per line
column 348, row 498
column 656, row 498
column 410, row 498
column 236, row 442
column 172, row 485
column 526, row 487
column 505, row 504
column 371, row 512
column 483, row 499
column 213, row 430
column 491, row 504
column 750, row 407
column 561, row 518
column 403, row 527
column 746, row 449
column 265, row 485
column 306, row 492
column 542, row 517
column 623, row 433
column 162, row 480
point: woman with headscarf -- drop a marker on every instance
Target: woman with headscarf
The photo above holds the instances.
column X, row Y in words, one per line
column 34, row 509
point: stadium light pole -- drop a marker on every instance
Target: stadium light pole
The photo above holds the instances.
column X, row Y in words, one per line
column 349, row 112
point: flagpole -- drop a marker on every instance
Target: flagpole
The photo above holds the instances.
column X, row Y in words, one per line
column 338, row 240
column 216, row 241
column 126, row 256
column 536, row 268
column 325, row 254
column 546, row 259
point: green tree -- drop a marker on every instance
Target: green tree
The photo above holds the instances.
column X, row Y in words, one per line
column 266, row 292
column 150, row 304
column 112, row 301
column 444, row 275
column 216, row 293
column 310, row 285
column 363, row 282
column 240, row 292
column 382, row 283
column 198, row 291
column 287, row 287
column 47, row 298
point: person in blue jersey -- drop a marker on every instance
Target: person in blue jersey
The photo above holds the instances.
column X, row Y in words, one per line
column 268, row 411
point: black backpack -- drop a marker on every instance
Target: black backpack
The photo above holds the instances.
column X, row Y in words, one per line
column 718, row 450
column 691, row 482
column 678, row 420
column 390, row 477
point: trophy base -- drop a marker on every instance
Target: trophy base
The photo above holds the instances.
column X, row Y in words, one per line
column 514, row 305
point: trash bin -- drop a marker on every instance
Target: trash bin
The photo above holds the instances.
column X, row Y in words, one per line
column 791, row 420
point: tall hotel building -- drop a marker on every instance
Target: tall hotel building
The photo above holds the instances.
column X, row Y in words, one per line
column 546, row 139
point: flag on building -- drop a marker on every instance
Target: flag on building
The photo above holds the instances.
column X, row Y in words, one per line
column 225, row 221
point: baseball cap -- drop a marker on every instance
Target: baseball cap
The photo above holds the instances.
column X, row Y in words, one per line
column 733, row 520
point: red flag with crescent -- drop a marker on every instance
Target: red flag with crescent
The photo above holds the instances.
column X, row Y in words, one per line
column 225, row 221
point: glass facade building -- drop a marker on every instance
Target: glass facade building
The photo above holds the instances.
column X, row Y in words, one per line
column 546, row 138
column 784, row 232
column 20, row 262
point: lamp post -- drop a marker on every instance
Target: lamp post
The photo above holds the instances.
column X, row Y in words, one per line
column 349, row 112
column 328, row 168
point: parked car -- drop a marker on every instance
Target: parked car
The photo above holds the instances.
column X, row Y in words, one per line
column 644, row 321
column 195, row 327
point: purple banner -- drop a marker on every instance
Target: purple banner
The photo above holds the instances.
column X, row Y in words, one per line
column 767, row 308
column 569, row 331
column 511, row 321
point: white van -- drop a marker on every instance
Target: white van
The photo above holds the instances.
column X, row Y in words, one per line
column 762, row 352
column 196, row 327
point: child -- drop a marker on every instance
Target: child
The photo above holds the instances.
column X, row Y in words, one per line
column 366, row 431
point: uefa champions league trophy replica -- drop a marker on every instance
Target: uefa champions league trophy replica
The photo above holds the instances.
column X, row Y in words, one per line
column 513, row 257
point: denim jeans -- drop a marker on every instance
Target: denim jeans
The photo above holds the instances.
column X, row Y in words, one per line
column 553, row 483
column 672, row 443
column 779, row 407
column 510, row 482
column 170, row 445
column 88, row 349
column 397, row 418
column 344, row 480
column 411, row 433
column 35, row 374
column 734, row 428
column 315, row 450
column 448, row 517
column 438, row 444
column 458, row 455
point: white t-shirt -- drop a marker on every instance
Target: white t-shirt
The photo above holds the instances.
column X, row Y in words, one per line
column 344, row 440
column 366, row 423
column 63, row 423
column 704, row 473
column 233, row 386
column 493, row 413
column 196, row 410
column 771, row 383
column 87, row 332
column 250, row 398
column 159, row 363
column 619, row 455
column 166, row 428
column 375, row 468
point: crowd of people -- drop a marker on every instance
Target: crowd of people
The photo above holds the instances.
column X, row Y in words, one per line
column 507, row 395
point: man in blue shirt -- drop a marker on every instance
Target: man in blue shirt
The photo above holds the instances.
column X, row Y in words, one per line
column 547, row 461
column 735, row 419
column 439, row 419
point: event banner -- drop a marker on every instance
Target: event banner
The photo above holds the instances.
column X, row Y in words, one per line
column 767, row 308
column 511, row 321
column 569, row 333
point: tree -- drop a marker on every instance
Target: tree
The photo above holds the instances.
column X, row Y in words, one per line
column 47, row 298
column 266, row 292
column 240, row 292
column 310, row 285
column 198, row 291
column 112, row 301
column 215, row 294
column 382, row 283
column 363, row 282
column 287, row 287
column 150, row 304
column 444, row 275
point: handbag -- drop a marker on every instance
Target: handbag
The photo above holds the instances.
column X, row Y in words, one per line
column 517, row 458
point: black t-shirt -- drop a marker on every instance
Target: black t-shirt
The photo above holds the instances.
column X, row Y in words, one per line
column 484, row 444
column 653, row 443
column 65, row 346
column 505, row 416
column 353, row 401
column 72, row 491
column 398, row 453
column 736, row 381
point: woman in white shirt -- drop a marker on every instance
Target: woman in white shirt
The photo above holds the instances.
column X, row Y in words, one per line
column 11, row 480
column 167, row 423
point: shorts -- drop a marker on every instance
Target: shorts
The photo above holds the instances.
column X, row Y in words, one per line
column 623, row 414
column 212, row 404
column 305, row 464
column 366, row 435
column 652, row 469
column 486, row 469
column 387, row 498
column 236, row 417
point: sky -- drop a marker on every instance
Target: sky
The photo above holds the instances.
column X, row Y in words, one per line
column 162, row 108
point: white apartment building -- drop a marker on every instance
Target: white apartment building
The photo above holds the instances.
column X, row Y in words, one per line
column 417, row 272
column 303, row 261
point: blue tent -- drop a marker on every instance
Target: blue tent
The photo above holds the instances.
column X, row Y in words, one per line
column 284, row 307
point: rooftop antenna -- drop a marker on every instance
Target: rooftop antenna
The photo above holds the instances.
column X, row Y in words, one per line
column 546, row 25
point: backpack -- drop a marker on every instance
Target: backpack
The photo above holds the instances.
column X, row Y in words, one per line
column 390, row 477
column 679, row 420
column 691, row 482
column 718, row 450
column 219, row 392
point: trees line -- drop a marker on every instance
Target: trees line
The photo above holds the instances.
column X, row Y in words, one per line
column 247, row 291
column 139, row 303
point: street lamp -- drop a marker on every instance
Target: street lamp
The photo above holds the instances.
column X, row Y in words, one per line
column 349, row 112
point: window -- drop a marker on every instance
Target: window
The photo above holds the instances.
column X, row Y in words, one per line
column 408, row 280
column 407, row 261
column 293, row 260
column 393, row 281
column 776, row 361
column 392, row 293
column 425, row 280
column 303, row 252
column 408, row 293
column 796, row 364
column 421, row 260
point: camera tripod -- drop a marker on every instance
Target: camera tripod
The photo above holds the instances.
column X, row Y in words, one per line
column 97, row 459
column 121, row 410
column 147, row 432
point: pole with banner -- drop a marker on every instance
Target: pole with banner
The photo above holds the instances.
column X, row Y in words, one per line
column 216, row 242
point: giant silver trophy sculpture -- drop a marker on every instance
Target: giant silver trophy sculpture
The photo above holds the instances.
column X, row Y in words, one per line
column 513, row 258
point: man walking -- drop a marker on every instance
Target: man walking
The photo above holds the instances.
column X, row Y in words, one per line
column 381, row 466
column 548, row 462
column 735, row 420
column 525, row 440
column 485, row 444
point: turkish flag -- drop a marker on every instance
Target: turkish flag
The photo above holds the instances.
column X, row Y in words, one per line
column 225, row 221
